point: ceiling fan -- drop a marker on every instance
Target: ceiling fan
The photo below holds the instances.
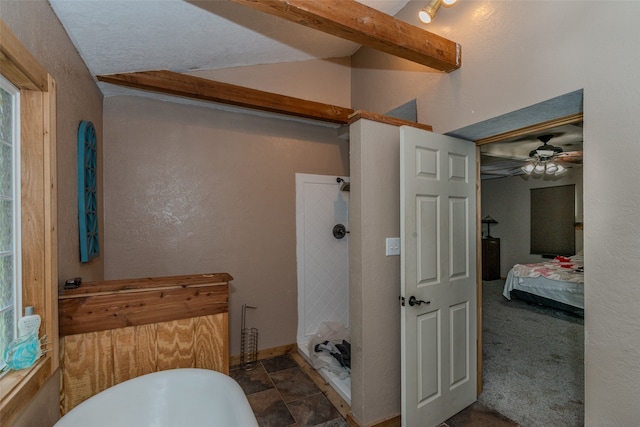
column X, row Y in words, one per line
column 547, row 159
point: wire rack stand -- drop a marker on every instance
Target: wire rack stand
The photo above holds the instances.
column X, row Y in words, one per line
column 248, row 342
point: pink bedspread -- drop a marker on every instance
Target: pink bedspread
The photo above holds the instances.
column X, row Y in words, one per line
column 566, row 269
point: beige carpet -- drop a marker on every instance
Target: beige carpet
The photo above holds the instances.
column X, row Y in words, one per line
column 533, row 361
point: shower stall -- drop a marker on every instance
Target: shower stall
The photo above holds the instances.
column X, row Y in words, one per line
column 322, row 230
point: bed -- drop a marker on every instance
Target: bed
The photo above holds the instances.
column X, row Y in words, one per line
column 557, row 283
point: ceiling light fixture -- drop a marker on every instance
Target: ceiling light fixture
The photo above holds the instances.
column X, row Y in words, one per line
column 542, row 159
column 427, row 13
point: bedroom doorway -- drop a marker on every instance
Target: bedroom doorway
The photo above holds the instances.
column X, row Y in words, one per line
column 549, row 117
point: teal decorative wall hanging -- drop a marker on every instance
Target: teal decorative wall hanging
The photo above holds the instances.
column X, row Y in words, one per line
column 87, row 191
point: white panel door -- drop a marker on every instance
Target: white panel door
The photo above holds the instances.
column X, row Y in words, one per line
column 438, row 267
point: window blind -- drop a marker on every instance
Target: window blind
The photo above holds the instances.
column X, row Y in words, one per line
column 553, row 220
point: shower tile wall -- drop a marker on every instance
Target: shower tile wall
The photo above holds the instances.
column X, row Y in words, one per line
column 323, row 260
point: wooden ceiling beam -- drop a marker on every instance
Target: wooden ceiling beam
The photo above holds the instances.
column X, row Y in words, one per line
column 366, row 26
column 184, row 85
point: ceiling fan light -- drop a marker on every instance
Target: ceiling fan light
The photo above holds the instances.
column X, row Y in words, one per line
column 561, row 170
column 528, row 168
column 551, row 168
column 449, row 3
column 538, row 169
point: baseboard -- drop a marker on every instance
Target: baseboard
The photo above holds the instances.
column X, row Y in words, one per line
column 267, row 353
column 389, row 422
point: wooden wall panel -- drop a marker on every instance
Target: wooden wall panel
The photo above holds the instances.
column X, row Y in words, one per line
column 94, row 361
column 88, row 367
column 96, row 312
column 161, row 323
column 176, row 344
column 212, row 342
column 111, row 304
column 125, row 358
column 146, row 350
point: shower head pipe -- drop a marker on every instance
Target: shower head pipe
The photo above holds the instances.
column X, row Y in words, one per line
column 344, row 185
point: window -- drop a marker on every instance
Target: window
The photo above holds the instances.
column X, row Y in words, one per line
column 10, row 264
column 36, row 129
column 553, row 220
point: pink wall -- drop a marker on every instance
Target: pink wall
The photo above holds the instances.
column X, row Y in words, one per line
column 78, row 98
column 191, row 189
column 34, row 23
column 325, row 81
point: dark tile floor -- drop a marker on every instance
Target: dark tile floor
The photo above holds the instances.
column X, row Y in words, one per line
column 477, row 415
column 282, row 395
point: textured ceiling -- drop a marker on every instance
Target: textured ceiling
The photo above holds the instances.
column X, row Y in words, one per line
column 115, row 36
column 505, row 158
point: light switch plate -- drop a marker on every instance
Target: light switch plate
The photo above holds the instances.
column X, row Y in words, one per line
column 393, row 246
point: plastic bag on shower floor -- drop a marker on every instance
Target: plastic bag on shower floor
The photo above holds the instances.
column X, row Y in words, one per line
column 329, row 336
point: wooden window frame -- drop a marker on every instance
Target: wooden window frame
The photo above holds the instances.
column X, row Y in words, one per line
column 39, row 215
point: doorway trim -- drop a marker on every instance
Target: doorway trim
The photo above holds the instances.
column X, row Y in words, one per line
column 562, row 110
column 549, row 124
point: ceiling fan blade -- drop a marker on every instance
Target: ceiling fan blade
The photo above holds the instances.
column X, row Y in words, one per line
column 570, row 157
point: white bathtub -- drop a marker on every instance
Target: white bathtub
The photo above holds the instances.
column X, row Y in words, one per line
column 177, row 397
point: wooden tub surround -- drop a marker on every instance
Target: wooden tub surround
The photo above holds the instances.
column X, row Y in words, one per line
column 112, row 331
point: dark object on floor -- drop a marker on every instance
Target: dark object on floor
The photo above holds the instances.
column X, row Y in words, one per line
column 345, row 354
column 480, row 416
column 341, row 352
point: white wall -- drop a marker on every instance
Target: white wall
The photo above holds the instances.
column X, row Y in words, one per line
column 374, row 278
column 508, row 201
column 518, row 53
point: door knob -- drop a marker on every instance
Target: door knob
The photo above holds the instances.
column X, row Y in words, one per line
column 414, row 301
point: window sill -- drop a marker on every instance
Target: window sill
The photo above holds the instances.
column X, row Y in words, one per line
column 17, row 388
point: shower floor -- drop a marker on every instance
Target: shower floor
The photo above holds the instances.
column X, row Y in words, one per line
column 341, row 385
